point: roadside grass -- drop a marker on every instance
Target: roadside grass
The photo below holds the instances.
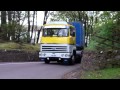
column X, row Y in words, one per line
column 91, row 46
column 109, row 73
column 18, row 46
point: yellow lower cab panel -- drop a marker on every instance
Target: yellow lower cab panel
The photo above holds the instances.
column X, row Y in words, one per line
column 58, row 40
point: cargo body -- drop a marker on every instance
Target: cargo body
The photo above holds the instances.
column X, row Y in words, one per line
column 80, row 39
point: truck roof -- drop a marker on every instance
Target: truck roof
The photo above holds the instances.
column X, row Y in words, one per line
column 57, row 24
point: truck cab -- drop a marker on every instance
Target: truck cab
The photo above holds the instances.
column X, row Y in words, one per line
column 58, row 43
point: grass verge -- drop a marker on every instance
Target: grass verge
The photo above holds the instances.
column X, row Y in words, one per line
column 13, row 45
column 110, row 73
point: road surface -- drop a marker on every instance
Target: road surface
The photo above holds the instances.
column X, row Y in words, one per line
column 34, row 70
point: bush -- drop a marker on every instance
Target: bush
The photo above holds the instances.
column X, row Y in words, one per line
column 94, row 60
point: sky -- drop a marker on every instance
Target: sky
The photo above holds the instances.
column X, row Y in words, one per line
column 40, row 17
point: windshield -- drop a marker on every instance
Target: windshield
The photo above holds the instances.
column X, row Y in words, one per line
column 60, row 32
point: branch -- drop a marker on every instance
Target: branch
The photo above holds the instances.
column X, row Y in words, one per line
column 107, row 39
column 110, row 45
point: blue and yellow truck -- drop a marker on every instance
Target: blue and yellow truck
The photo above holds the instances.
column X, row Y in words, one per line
column 62, row 42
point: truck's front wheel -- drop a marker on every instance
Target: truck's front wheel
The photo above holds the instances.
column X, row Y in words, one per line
column 47, row 61
column 72, row 60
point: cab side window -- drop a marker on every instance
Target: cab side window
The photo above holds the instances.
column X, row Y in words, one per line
column 72, row 32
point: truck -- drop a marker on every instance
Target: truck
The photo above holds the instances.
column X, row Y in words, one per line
column 62, row 41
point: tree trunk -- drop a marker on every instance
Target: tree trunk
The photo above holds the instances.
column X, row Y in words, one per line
column 18, row 17
column 79, row 16
column 19, row 27
column 9, row 23
column 45, row 17
column 9, row 16
column 3, row 17
column 14, row 16
column 13, row 26
column 28, row 35
column 3, row 23
column 35, row 29
column 87, row 28
column 33, row 23
column 44, row 22
column 85, row 32
column 84, row 21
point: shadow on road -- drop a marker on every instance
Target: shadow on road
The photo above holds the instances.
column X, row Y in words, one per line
column 56, row 63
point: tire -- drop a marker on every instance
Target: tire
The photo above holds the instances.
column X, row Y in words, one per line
column 72, row 60
column 47, row 61
column 59, row 61
column 78, row 59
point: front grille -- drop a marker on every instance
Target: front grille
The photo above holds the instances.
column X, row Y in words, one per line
column 54, row 48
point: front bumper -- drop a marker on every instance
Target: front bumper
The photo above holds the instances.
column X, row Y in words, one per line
column 56, row 55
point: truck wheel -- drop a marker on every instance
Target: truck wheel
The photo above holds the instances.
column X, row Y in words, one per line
column 59, row 61
column 72, row 60
column 78, row 60
column 47, row 61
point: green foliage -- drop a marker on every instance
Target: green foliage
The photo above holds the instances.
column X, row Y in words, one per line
column 92, row 45
column 68, row 15
column 9, row 45
column 19, row 46
column 105, row 24
column 14, row 30
column 107, row 30
column 111, row 73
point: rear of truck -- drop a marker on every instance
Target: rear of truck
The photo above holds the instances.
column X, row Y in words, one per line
column 80, row 40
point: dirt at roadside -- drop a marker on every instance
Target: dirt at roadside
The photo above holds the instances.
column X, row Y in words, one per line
column 95, row 61
column 75, row 74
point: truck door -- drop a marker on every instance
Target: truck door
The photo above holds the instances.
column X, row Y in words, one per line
column 72, row 35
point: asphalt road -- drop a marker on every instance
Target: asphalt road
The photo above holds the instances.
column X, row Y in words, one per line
column 34, row 70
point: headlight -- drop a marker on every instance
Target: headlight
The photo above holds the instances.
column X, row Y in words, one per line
column 42, row 54
column 62, row 55
column 66, row 55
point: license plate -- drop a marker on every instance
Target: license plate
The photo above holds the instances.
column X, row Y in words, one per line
column 53, row 55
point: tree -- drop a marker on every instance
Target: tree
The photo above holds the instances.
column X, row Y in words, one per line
column 9, row 23
column 28, row 35
column 106, row 30
column 3, row 23
column 46, row 15
column 33, row 23
column 3, row 17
